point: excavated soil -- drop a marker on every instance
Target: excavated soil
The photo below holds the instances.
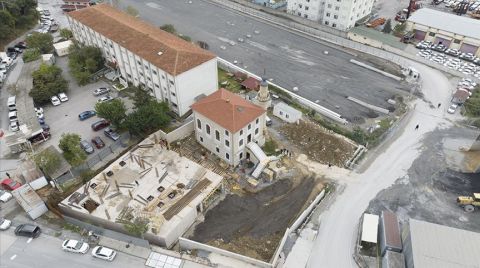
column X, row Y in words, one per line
column 253, row 224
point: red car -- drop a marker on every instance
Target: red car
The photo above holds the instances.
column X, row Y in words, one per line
column 97, row 141
column 10, row 184
column 100, row 125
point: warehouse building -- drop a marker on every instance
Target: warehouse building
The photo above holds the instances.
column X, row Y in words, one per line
column 453, row 31
column 433, row 245
column 170, row 68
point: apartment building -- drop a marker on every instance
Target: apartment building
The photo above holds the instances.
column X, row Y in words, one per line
column 339, row 14
column 225, row 123
column 171, row 69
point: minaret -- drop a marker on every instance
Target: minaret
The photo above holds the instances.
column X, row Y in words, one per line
column 263, row 97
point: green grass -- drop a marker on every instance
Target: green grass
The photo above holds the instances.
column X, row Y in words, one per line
column 270, row 147
column 233, row 85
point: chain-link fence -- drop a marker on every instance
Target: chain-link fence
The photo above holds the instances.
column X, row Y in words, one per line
column 101, row 156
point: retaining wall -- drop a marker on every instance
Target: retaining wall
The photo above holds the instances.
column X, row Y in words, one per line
column 177, row 134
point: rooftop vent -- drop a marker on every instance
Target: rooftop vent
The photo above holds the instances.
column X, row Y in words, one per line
column 150, row 198
column 161, row 189
column 110, row 173
column 122, row 163
column 160, row 204
column 172, row 194
column 160, row 53
column 93, row 185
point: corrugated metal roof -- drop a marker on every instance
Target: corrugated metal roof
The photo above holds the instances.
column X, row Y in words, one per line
column 449, row 22
column 370, row 228
column 439, row 246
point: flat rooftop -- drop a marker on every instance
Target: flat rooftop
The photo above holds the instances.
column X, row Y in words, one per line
column 151, row 182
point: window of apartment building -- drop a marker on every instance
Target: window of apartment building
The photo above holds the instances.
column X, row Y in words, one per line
column 337, row 8
column 146, row 67
column 308, row 1
column 201, row 139
column 241, row 132
column 154, row 72
column 217, row 149
column 338, row 0
column 171, row 82
column 256, row 131
column 141, row 74
column 240, row 143
column 256, row 121
column 326, row 22
column 306, row 8
column 227, row 156
column 456, row 41
column 334, row 25
column 173, row 93
column 335, row 16
column 148, row 78
column 199, row 124
column 157, row 86
column 305, row 16
column 111, row 46
column 207, row 128
column 174, row 105
column 249, row 126
column 300, row 5
column 163, row 76
column 431, row 34
column 328, row 15
column 329, row 5
column 217, row 135
column 240, row 156
column 129, row 76
column 227, row 133
column 227, row 143
column 299, row 13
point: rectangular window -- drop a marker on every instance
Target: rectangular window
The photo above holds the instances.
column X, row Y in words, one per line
column 240, row 155
column 306, row 8
column 217, row 135
column 171, row 82
column 241, row 132
column 256, row 131
column 256, row 121
column 174, row 105
column 227, row 143
column 217, row 149
column 249, row 126
column 207, row 128
column 201, row 139
column 157, row 86
column 226, row 133
column 227, row 156
column 337, row 8
column 139, row 63
column 173, row 93
column 240, row 143
column 334, row 25
column 154, row 72
column 199, row 124
column 335, row 16
column 146, row 67
column 456, row 41
column 328, row 15
column 431, row 34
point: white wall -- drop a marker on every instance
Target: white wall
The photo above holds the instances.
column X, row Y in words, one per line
column 312, row 9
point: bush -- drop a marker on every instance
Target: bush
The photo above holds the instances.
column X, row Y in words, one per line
column 31, row 54
column 47, row 82
column 270, row 147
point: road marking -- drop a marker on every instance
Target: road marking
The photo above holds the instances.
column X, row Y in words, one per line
column 13, row 257
column 29, row 240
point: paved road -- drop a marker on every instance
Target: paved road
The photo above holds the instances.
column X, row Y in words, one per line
column 45, row 251
column 291, row 60
column 338, row 225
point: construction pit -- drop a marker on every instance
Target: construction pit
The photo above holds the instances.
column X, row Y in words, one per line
column 253, row 224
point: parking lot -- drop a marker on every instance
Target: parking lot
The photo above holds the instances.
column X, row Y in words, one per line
column 64, row 118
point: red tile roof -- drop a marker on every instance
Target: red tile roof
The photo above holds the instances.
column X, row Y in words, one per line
column 227, row 109
column 251, row 83
column 143, row 39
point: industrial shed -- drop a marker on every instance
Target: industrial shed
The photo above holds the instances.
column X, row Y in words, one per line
column 433, row 245
column 30, row 201
column 389, row 233
column 453, row 31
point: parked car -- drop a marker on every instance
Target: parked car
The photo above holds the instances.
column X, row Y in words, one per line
column 5, row 196
column 10, row 184
column 105, row 99
column 111, row 134
column 21, row 45
column 453, row 52
column 39, row 112
column 452, row 108
column 98, row 142
column 101, row 124
column 55, row 101
column 75, row 246
column 12, row 55
column 41, row 121
column 14, row 127
column 85, row 115
column 63, row 97
column 467, row 56
column 101, row 91
column 5, row 224
column 104, row 253
column 28, row 230
column 86, row 147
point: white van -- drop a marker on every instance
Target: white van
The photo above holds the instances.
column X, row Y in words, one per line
column 12, row 116
column 12, row 103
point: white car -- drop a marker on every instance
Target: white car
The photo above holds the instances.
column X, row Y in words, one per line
column 5, row 224
column 75, row 246
column 5, row 196
column 63, row 97
column 104, row 253
column 452, row 108
column 14, row 126
column 39, row 112
column 55, row 101
column 105, row 99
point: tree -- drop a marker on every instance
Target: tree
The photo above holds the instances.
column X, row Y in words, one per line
column 169, row 28
column 185, row 37
column 47, row 81
column 70, row 145
column 114, row 111
column 7, row 24
column 388, row 27
column 15, row 16
column 84, row 61
column 137, row 227
column 66, row 33
column 131, row 11
column 400, row 28
column 140, row 96
column 42, row 41
column 31, row 54
column 47, row 161
column 147, row 118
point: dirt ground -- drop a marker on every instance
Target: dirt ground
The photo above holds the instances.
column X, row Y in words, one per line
column 317, row 143
column 253, row 224
column 430, row 189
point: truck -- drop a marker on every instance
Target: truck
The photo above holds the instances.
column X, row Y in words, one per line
column 469, row 203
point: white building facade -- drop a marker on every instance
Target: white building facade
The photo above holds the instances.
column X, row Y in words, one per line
column 176, row 76
column 225, row 130
column 339, row 14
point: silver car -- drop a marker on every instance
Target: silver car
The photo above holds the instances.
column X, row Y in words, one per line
column 85, row 145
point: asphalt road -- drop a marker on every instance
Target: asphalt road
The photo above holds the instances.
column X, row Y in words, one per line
column 45, row 251
column 291, row 60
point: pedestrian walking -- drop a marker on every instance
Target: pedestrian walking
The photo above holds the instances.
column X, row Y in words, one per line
column 416, row 128
column 438, row 106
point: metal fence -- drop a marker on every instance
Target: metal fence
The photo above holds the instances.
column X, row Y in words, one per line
column 98, row 157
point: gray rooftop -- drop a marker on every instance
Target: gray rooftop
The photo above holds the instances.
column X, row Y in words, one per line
column 441, row 246
column 449, row 22
column 285, row 107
